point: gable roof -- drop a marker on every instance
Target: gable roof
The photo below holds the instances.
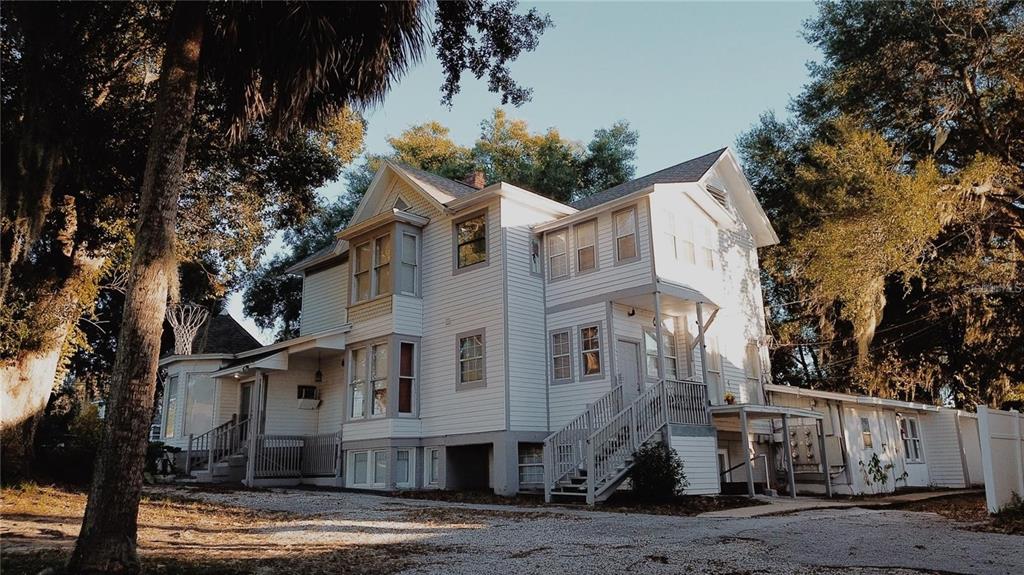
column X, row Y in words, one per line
column 446, row 185
column 688, row 171
column 222, row 334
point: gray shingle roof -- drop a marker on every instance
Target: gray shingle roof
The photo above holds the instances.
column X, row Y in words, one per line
column 688, row 171
column 222, row 334
column 448, row 186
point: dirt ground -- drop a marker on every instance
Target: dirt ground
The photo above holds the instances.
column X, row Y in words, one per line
column 190, row 531
column 971, row 511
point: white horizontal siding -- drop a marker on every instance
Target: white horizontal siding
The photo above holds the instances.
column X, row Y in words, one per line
column 700, row 463
column 283, row 415
column 608, row 277
column 408, row 314
column 454, row 304
column 324, row 297
column 526, row 321
column 332, row 398
column 568, row 400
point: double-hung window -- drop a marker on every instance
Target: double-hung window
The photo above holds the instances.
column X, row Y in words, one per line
column 590, row 350
column 561, row 355
column 404, row 466
column 471, row 359
column 753, row 366
column 671, row 239
column 709, row 247
column 357, row 383
column 911, row 439
column 586, row 246
column 361, row 269
column 432, row 465
column 368, row 468
column 558, row 258
column 625, row 235
column 865, row 433
column 379, row 379
column 171, row 414
column 382, row 265
column 471, row 241
column 410, row 261
column 687, row 249
column 406, row 376
column 671, row 355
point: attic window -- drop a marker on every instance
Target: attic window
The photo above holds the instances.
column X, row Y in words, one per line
column 401, row 204
column 718, row 194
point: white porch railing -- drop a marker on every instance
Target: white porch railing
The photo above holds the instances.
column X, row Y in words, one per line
column 565, row 449
column 214, row 445
column 291, row 456
column 604, row 445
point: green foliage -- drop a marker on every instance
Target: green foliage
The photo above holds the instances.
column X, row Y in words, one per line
column 875, row 472
column 657, row 474
column 896, row 190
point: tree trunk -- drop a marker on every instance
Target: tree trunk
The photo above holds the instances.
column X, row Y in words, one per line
column 107, row 542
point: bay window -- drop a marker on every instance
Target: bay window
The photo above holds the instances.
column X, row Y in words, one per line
column 357, row 383
column 361, row 269
column 410, row 262
column 382, row 265
column 379, row 379
column 406, row 376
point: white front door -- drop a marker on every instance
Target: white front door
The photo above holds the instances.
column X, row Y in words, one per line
column 912, row 449
column 627, row 361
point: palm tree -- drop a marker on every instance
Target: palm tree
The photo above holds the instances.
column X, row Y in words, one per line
column 292, row 65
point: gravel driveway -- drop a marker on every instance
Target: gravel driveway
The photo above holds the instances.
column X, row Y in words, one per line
column 502, row 540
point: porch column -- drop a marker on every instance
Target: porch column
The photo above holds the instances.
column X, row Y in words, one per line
column 824, row 458
column 789, row 456
column 255, row 430
column 745, row 436
column 658, row 331
column 703, row 348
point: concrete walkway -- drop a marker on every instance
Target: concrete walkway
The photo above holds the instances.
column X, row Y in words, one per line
column 785, row 505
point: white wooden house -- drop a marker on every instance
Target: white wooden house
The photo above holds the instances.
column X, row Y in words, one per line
column 459, row 336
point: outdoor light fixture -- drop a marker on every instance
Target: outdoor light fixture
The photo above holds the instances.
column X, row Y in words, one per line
column 632, row 312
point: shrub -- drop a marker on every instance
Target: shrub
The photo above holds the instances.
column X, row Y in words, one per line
column 657, row 473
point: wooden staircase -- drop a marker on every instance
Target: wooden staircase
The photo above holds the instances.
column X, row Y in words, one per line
column 220, row 454
column 592, row 455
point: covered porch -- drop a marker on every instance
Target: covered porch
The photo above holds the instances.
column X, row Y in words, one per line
column 286, row 404
column 775, row 430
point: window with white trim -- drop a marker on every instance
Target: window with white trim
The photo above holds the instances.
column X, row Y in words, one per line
column 536, row 265
column 471, row 241
column 382, row 265
column 671, row 355
column 911, row 435
column 379, row 379
column 688, row 251
column 753, row 361
column 357, row 383
column 709, row 247
column 361, row 271
column 586, row 246
column 171, row 413
column 410, row 264
column 405, row 463
column 865, row 433
column 406, row 376
column 432, row 465
column 368, row 469
column 558, row 258
column 561, row 355
column 625, row 235
column 671, row 239
column 590, row 350
column 471, row 359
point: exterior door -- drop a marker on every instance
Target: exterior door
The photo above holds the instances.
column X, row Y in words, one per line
column 244, row 405
column 627, row 361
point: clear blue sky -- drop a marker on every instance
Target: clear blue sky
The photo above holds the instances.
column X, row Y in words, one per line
column 689, row 77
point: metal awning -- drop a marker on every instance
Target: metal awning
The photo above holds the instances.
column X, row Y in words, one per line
column 755, row 411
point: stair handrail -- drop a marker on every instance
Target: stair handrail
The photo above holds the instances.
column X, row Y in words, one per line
column 214, row 445
column 565, row 449
column 612, row 444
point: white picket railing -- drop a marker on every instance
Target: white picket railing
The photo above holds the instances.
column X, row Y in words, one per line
column 565, row 449
column 289, row 456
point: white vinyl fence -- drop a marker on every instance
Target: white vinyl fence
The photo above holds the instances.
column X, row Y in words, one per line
column 1002, row 455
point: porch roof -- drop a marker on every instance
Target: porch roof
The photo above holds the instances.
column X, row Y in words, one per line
column 756, row 411
column 275, row 356
column 858, row 399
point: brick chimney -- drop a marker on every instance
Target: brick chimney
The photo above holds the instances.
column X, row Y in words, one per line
column 475, row 180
